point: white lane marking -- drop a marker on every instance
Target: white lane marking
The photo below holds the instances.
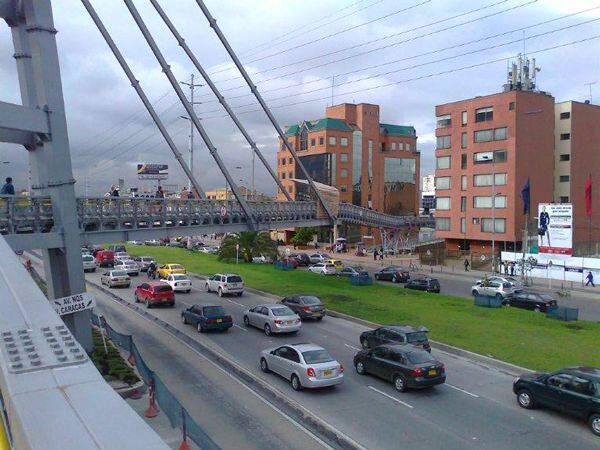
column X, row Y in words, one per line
column 236, row 303
column 241, row 328
column 185, row 303
column 352, row 347
column 462, row 390
column 270, row 405
column 391, row 397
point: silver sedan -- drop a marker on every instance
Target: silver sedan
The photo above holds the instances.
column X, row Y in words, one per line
column 273, row 319
column 303, row 365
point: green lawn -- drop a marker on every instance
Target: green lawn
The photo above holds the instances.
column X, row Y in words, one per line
column 517, row 336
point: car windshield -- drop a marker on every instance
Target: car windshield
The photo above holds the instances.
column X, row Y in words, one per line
column 180, row 277
column 282, row 311
column 213, row 311
column 162, row 288
column 329, row 266
column 119, row 273
column 420, row 357
column 234, row 279
column 546, row 297
column 176, row 266
column 316, row 356
column 418, row 336
column 310, row 300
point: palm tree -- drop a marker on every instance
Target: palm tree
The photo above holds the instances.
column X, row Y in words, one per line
column 252, row 243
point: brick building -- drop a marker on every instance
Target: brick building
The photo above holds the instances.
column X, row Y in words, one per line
column 372, row 164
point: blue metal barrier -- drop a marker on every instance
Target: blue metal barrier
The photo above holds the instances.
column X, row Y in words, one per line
column 487, row 301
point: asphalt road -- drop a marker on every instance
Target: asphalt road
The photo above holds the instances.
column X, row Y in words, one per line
column 475, row 409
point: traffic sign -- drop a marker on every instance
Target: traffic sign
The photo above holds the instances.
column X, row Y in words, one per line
column 223, row 211
column 74, row 303
column 482, row 257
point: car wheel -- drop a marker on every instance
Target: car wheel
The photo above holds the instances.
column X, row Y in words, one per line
column 595, row 424
column 137, row 300
column 220, row 292
column 474, row 292
column 183, row 319
column 499, row 297
column 240, row 294
column 525, row 399
column 399, row 383
column 319, row 318
column 246, row 321
column 264, row 366
column 364, row 344
column 127, row 286
column 394, row 279
column 200, row 329
column 376, row 277
column 296, row 383
column 188, row 291
column 267, row 329
column 360, row 368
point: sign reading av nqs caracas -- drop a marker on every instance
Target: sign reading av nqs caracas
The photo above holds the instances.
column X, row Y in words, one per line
column 74, row 303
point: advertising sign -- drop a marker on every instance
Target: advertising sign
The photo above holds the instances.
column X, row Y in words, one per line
column 555, row 228
column 74, row 303
column 153, row 171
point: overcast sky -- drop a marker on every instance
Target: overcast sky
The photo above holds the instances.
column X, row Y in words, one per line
column 110, row 132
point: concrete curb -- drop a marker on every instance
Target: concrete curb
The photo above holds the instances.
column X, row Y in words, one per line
column 298, row 412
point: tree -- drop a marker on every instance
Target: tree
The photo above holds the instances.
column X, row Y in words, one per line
column 303, row 236
column 252, row 243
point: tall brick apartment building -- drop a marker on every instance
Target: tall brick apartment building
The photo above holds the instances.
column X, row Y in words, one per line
column 372, row 164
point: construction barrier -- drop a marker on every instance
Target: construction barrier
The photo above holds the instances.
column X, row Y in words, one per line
column 158, row 391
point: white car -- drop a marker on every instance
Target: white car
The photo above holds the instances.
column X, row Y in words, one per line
column 113, row 278
column 89, row 263
column 179, row 282
column 228, row 283
column 323, row 269
column 152, row 242
column 262, row 259
column 127, row 265
column 144, row 262
column 122, row 255
column 135, row 242
column 208, row 250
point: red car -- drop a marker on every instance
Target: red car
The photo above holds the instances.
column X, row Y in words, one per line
column 105, row 258
column 155, row 293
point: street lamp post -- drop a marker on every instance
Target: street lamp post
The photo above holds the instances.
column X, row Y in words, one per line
column 191, row 148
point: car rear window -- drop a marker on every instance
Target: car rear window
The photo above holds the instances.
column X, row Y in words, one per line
column 180, row 277
column 88, row 258
column 419, row 336
column 420, row 357
column 329, row 266
column 316, row 356
column 310, row 300
column 282, row 311
column 119, row 273
column 213, row 311
column 162, row 288
column 234, row 279
column 506, row 285
column 176, row 266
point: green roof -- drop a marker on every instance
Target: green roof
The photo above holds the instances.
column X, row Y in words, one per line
column 317, row 125
column 397, row 130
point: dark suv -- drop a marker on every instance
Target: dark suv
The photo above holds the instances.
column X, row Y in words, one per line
column 394, row 274
column 574, row 390
column 395, row 334
column 424, row 284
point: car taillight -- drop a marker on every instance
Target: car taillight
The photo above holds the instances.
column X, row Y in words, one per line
column 306, row 308
column 278, row 322
column 310, row 372
column 442, row 368
column 210, row 320
column 227, row 319
column 341, row 368
column 417, row 372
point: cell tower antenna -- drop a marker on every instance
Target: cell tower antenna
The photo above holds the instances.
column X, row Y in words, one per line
column 589, row 85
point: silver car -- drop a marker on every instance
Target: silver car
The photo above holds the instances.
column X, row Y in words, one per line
column 127, row 265
column 89, row 263
column 113, row 278
column 144, row 262
column 304, row 365
column 323, row 269
column 273, row 319
column 493, row 288
column 318, row 258
column 515, row 283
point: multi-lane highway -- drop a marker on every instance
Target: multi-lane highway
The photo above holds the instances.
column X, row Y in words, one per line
column 475, row 409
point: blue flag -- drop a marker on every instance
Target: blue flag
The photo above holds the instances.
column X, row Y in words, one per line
column 526, row 196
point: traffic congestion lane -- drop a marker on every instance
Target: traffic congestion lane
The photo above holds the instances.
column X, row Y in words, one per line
column 495, row 423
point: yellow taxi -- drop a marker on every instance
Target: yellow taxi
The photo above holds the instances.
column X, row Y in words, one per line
column 339, row 265
column 170, row 269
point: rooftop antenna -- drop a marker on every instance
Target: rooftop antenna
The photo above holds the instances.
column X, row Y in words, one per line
column 590, row 84
column 524, row 44
column 332, row 86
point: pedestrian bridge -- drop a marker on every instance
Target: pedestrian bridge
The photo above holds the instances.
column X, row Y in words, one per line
column 28, row 222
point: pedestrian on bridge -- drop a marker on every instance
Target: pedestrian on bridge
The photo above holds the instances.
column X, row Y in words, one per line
column 467, row 264
column 8, row 188
column 184, row 195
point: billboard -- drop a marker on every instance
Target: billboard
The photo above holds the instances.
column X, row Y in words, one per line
column 555, row 228
column 153, row 171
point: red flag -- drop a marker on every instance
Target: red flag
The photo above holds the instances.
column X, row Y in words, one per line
column 588, row 196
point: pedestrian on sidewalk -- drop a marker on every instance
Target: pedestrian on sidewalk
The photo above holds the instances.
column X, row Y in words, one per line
column 512, row 268
column 8, row 188
column 506, row 266
column 467, row 264
column 590, row 279
column 375, row 255
column 381, row 253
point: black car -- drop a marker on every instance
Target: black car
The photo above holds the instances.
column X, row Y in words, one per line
column 424, row 284
column 302, row 258
column 350, row 271
column 306, row 306
column 574, row 390
column 406, row 366
column 532, row 301
column 395, row 334
column 394, row 274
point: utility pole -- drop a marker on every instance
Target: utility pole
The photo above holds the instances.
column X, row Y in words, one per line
column 192, row 86
column 590, row 86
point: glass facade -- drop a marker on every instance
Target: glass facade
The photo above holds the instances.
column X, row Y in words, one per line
column 321, row 168
column 400, row 187
column 356, row 167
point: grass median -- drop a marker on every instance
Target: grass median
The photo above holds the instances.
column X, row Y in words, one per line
column 510, row 334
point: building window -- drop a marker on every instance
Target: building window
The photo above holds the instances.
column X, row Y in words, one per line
column 283, row 161
column 442, row 223
column 444, row 121
column 304, row 139
column 486, row 201
column 484, row 114
column 408, row 147
column 443, row 142
column 565, row 157
column 382, row 146
column 511, row 106
column 331, row 140
column 463, row 140
column 486, row 157
column 565, row 136
column 485, row 179
column 290, row 175
column 463, row 118
column 565, row 115
column 393, row 146
column 343, row 157
column 463, row 183
column 356, row 167
column 344, row 173
column 563, row 178
column 290, row 160
column 463, row 225
column 321, row 140
column 463, row 204
column 442, row 203
column 344, row 142
column 343, row 188
column 475, row 220
column 283, row 175
column 400, row 145
column 442, row 183
column 312, row 142
column 564, row 199
column 442, row 162
column 463, row 161
column 370, row 164
column 498, row 134
column 489, row 225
